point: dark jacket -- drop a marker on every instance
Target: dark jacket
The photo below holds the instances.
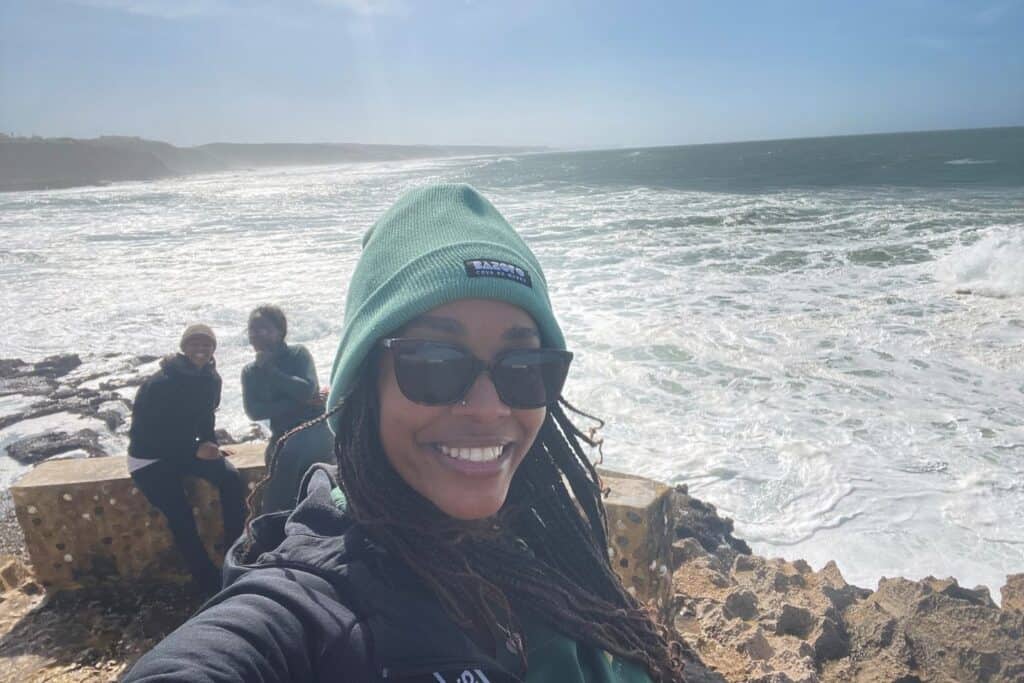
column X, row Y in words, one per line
column 173, row 411
column 279, row 391
column 315, row 600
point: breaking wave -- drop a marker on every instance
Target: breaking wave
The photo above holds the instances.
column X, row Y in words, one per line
column 993, row 266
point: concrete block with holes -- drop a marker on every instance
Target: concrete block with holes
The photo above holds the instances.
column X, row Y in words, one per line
column 84, row 520
column 640, row 537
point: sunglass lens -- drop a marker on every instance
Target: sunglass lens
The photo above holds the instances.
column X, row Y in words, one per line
column 531, row 378
column 434, row 374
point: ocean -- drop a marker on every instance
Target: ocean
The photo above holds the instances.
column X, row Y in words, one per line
column 823, row 337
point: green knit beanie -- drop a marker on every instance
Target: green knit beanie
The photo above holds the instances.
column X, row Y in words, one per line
column 435, row 245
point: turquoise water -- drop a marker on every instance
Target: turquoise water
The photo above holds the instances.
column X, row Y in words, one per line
column 825, row 338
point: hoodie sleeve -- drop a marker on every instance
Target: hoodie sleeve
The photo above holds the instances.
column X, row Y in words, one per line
column 272, row 625
column 301, row 386
column 207, row 427
column 146, row 432
column 256, row 396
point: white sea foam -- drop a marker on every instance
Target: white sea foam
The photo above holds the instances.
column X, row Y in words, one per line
column 991, row 266
column 970, row 162
column 798, row 357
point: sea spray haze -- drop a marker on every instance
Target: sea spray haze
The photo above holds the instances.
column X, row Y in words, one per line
column 823, row 337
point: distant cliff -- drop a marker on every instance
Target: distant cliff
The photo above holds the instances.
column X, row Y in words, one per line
column 42, row 163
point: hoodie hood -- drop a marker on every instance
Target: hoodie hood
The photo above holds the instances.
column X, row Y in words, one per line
column 317, row 534
column 179, row 364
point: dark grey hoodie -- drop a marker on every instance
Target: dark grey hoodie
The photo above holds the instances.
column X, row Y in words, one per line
column 313, row 599
column 174, row 409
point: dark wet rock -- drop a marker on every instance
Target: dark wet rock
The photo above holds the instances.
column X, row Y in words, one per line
column 123, row 382
column 13, row 367
column 64, row 391
column 693, row 518
column 88, row 401
column 37, row 448
column 115, row 370
column 57, row 366
column 26, row 386
column 254, row 433
column 8, row 420
column 66, row 396
column 224, row 437
column 114, row 413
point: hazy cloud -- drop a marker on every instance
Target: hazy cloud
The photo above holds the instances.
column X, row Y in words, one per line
column 996, row 12
column 164, row 9
column 370, row 7
column 931, row 42
column 177, row 9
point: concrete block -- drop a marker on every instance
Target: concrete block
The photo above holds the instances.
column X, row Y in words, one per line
column 84, row 520
column 639, row 538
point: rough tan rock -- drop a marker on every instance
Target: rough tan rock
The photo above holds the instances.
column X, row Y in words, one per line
column 741, row 616
column 85, row 520
column 1013, row 593
column 760, row 619
column 12, row 573
column 935, row 630
column 92, row 634
column 773, row 620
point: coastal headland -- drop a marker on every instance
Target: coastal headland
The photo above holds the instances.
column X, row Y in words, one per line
column 741, row 617
column 35, row 163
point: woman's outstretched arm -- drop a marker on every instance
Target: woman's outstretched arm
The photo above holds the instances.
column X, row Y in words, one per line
column 272, row 625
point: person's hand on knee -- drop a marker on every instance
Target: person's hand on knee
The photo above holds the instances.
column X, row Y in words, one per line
column 208, row 451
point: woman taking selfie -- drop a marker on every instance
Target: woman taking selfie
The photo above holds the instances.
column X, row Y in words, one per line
column 446, row 546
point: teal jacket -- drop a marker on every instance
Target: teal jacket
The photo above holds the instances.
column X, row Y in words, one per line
column 280, row 391
column 554, row 657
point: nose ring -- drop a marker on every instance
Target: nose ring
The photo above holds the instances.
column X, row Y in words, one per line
column 463, row 403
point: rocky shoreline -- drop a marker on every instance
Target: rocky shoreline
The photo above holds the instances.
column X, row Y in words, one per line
column 67, row 406
column 751, row 618
column 741, row 617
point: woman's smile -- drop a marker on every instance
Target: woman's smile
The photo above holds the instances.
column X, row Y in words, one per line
column 461, row 457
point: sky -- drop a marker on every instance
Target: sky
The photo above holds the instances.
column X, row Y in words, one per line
column 561, row 73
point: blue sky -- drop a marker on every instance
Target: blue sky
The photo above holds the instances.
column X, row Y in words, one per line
column 552, row 72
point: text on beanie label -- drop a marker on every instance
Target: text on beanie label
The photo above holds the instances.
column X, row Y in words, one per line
column 499, row 269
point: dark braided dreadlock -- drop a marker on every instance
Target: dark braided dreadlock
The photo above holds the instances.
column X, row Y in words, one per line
column 478, row 570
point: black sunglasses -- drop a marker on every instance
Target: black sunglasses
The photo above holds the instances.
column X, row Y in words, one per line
column 438, row 373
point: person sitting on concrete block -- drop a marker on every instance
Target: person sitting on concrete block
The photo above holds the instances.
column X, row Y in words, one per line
column 172, row 436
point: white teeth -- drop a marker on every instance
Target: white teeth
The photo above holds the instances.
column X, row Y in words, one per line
column 479, row 454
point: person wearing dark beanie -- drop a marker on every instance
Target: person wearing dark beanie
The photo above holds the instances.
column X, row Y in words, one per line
column 172, row 437
column 461, row 535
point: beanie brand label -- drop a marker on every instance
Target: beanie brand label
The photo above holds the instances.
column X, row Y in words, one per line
column 498, row 269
